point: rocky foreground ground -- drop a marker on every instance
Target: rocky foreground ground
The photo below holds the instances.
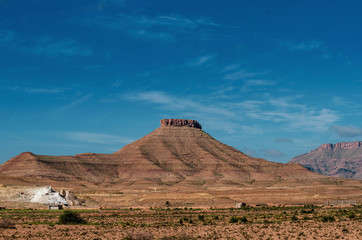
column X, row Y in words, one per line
column 303, row 222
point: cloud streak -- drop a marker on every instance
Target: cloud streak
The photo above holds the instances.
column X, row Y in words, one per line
column 96, row 138
column 284, row 140
column 241, row 74
column 43, row 46
column 40, row 90
column 346, row 131
column 296, row 116
column 160, row 27
column 287, row 114
column 301, row 46
column 177, row 104
column 200, row 61
column 272, row 153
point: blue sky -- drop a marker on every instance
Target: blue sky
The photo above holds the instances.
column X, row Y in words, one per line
column 273, row 79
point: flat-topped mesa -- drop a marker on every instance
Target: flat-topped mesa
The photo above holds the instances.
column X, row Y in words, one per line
column 180, row 123
column 342, row 145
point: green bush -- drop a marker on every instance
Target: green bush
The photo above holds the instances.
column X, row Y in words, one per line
column 69, row 217
column 307, row 211
column 328, row 219
column 235, row 219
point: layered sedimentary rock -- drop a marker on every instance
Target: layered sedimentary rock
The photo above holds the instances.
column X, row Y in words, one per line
column 342, row 159
column 342, row 145
column 180, row 123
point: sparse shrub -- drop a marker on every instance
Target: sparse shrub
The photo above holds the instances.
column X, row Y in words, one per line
column 328, row 219
column 235, row 219
column 307, row 211
column 69, row 217
column 294, row 218
column 243, row 219
column 168, row 204
column 6, row 224
column 201, row 217
column 306, row 218
column 352, row 216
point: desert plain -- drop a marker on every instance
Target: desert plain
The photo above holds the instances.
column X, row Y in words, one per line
column 288, row 222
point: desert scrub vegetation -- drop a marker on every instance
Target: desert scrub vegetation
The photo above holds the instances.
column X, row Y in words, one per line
column 70, row 217
column 236, row 219
column 6, row 224
column 328, row 218
column 210, row 223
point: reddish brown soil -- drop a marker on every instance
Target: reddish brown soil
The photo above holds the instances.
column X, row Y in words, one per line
column 255, row 223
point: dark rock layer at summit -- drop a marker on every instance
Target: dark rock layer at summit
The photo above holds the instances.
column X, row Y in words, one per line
column 177, row 154
column 342, row 159
column 180, row 123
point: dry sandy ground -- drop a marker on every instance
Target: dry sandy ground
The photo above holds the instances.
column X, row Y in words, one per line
column 305, row 230
column 307, row 222
column 16, row 196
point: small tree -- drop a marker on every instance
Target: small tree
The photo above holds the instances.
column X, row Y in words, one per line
column 69, row 217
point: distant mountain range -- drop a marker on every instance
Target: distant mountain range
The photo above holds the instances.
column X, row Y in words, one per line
column 342, row 159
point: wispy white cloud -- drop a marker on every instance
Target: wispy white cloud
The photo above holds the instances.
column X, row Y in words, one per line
column 272, row 153
column 153, row 35
column 117, row 83
column 284, row 140
column 301, row 46
column 75, row 103
column 44, row 46
column 176, row 103
column 339, row 101
column 285, row 110
column 104, row 3
column 51, row 47
column 230, row 68
column 252, row 84
column 346, row 131
column 7, row 36
column 200, row 61
column 174, row 21
column 40, row 90
column 96, row 138
column 157, row 27
column 183, row 22
column 241, row 74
